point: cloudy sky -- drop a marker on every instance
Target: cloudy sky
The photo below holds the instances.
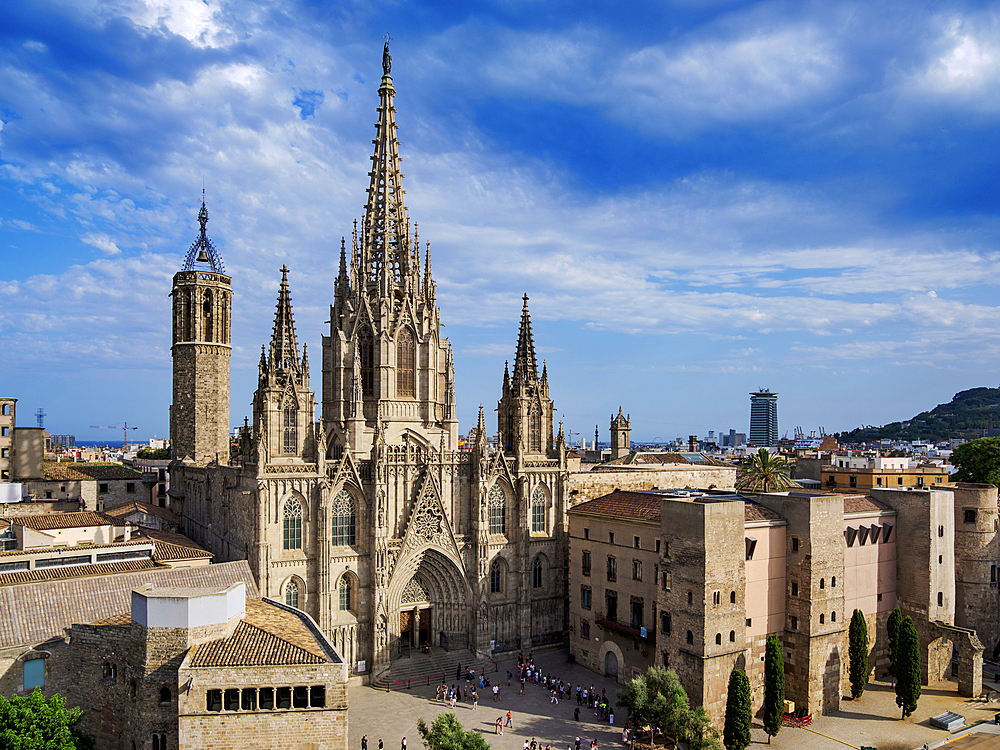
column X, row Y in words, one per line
column 701, row 198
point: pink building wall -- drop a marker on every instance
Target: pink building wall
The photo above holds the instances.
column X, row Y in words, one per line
column 765, row 592
column 870, row 569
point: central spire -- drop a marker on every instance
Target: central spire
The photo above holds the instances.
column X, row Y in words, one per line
column 385, row 236
column 284, row 349
column 525, row 367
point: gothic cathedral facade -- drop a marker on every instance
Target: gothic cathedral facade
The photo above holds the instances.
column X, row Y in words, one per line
column 373, row 519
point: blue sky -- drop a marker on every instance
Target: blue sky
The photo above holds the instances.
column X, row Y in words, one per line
column 700, row 198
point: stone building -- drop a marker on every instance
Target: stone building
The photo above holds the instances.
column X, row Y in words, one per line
column 621, row 427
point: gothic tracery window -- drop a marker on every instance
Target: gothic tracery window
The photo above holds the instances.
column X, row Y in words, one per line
column 366, row 350
column 538, row 510
column 535, row 428
column 345, row 591
column 207, row 322
column 536, row 573
column 344, row 520
column 292, row 524
column 496, row 577
column 497, row 504
column 405, row 365
column 290, row 440
column 292, row 594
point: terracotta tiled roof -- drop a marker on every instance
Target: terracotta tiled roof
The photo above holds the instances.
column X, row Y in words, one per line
column 663, row 459
column 757, row 512
column 74, row 571
column 268, row 636
column 36, row 611
column 124, row 618
column 44, row 521
column 78, row 471
column 78, row 548
column 643, row 506
column 120, row 511
column 864, row 504
column 172, row 546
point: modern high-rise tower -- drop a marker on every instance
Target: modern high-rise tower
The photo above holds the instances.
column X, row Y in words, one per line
column 764, row 418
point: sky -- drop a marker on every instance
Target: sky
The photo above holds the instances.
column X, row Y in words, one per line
column 701, row 199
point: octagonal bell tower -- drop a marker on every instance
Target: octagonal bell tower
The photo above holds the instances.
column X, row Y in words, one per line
column 202, row 303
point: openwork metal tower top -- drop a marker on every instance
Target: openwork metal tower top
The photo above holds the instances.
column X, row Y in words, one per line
column 202, row 251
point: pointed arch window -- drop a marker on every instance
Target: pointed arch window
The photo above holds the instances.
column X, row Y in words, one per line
column 366, row 351
column 496, row 577
column 292, row 524
column 536, row 573
column 405, row 365
column 346, row 591
column 344, row 517
column 535, row 428
column 207, row 317
column 292, row 594
column 290, row 442
column 538, row 511
column 497, row 506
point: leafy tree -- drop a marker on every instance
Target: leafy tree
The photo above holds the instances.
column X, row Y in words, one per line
column 698, row 733
column 858, row 651
column 892, row 628
column 774, row 687
column 978, row 461
column 739, row 712
column 764, row 472
column 33, row 723
column 447, row 733
column 908, row 668
column 656, row 698
column 153, row 453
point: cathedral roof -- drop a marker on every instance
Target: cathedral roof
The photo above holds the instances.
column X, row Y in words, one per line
column 525, row 366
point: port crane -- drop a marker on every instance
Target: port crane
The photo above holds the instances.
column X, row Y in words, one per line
column 124, row 430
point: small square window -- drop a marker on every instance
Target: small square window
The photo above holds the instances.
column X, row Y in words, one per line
column 899, row 480
column 635, row 542
column 793, row 623
column 795, row 588
column 267, row 698
column 284, row 697
column 611, row 537
column 970, row 515
column 879, row 597
column 795, row 544
column 749, row 622
column 130, row 486
column 232, row 700
column 317, row 696
column 102, row 487
column 657, row 546
column 586, row 533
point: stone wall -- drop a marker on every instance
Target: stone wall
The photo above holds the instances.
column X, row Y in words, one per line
column 976, row 560
column 588, row 485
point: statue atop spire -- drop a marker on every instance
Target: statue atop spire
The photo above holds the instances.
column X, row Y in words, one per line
column 386, row 57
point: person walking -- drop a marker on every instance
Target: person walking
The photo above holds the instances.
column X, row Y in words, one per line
column 475, row 700
column 577, row 745
column 510, row 718
column 364, row 742
column 576, row 714
column 509, row 675
column 380, row 744
column 402, row 745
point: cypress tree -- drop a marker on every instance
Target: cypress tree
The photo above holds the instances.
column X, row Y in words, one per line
column 858, row 650
column 907, row 668
column 739, row 712
column 774, row 687
column 892, row 630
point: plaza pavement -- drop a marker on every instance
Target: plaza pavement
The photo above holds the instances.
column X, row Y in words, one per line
column 872, row 720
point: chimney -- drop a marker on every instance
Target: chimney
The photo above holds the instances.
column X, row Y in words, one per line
column 692, row 443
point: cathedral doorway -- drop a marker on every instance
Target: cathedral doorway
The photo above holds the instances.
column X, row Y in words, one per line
column 415, row 626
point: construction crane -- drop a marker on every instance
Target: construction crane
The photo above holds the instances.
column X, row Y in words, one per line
column 124, row 430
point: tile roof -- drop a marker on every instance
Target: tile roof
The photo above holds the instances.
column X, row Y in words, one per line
column 120, row 511
column 74, row 571
column 171, row 546
column 754, row 511
column 645, row 506
column 82, row 471
column 44, row 521
column 37, row 611
column 864, row 504
column 663, row 459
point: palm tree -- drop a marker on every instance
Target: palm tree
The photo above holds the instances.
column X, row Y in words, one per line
column 764, row 472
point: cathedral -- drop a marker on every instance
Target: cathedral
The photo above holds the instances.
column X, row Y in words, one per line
column 373, row 518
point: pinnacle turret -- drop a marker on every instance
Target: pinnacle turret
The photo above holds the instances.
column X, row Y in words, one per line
column 284, row 354
column 525, row 366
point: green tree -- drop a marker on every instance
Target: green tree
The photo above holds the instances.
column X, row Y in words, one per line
column 892, row 630
column 656, row 698
column 33, row 723
column 774, row 687
column 447, row 733
column 698, row 732
column 764, row 472
column 908, row 668
column 978, row 461
column 739, row 712
column 858, row 651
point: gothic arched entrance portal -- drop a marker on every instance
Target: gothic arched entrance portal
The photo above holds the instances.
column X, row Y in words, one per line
column 429, row 601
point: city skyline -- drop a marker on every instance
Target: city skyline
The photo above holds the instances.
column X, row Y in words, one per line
column 699, row 203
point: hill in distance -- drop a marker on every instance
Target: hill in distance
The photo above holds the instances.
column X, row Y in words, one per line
column 965, row 416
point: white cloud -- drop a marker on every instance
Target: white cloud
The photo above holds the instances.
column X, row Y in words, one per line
column 103, row 243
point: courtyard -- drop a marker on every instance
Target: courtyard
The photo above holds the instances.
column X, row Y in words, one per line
column 872, row 720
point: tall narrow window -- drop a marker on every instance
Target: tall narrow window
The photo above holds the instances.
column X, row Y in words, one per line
column 405, row 365
column 292, row 524
column 207, row 320
column 538, row 511
column 536, row 573
column 366, row 351
column 291, row 429
column 292, row 594
column 344, row 516
column 497, row 504
column 496, row 577
column 535, row 428
column 345, row 594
